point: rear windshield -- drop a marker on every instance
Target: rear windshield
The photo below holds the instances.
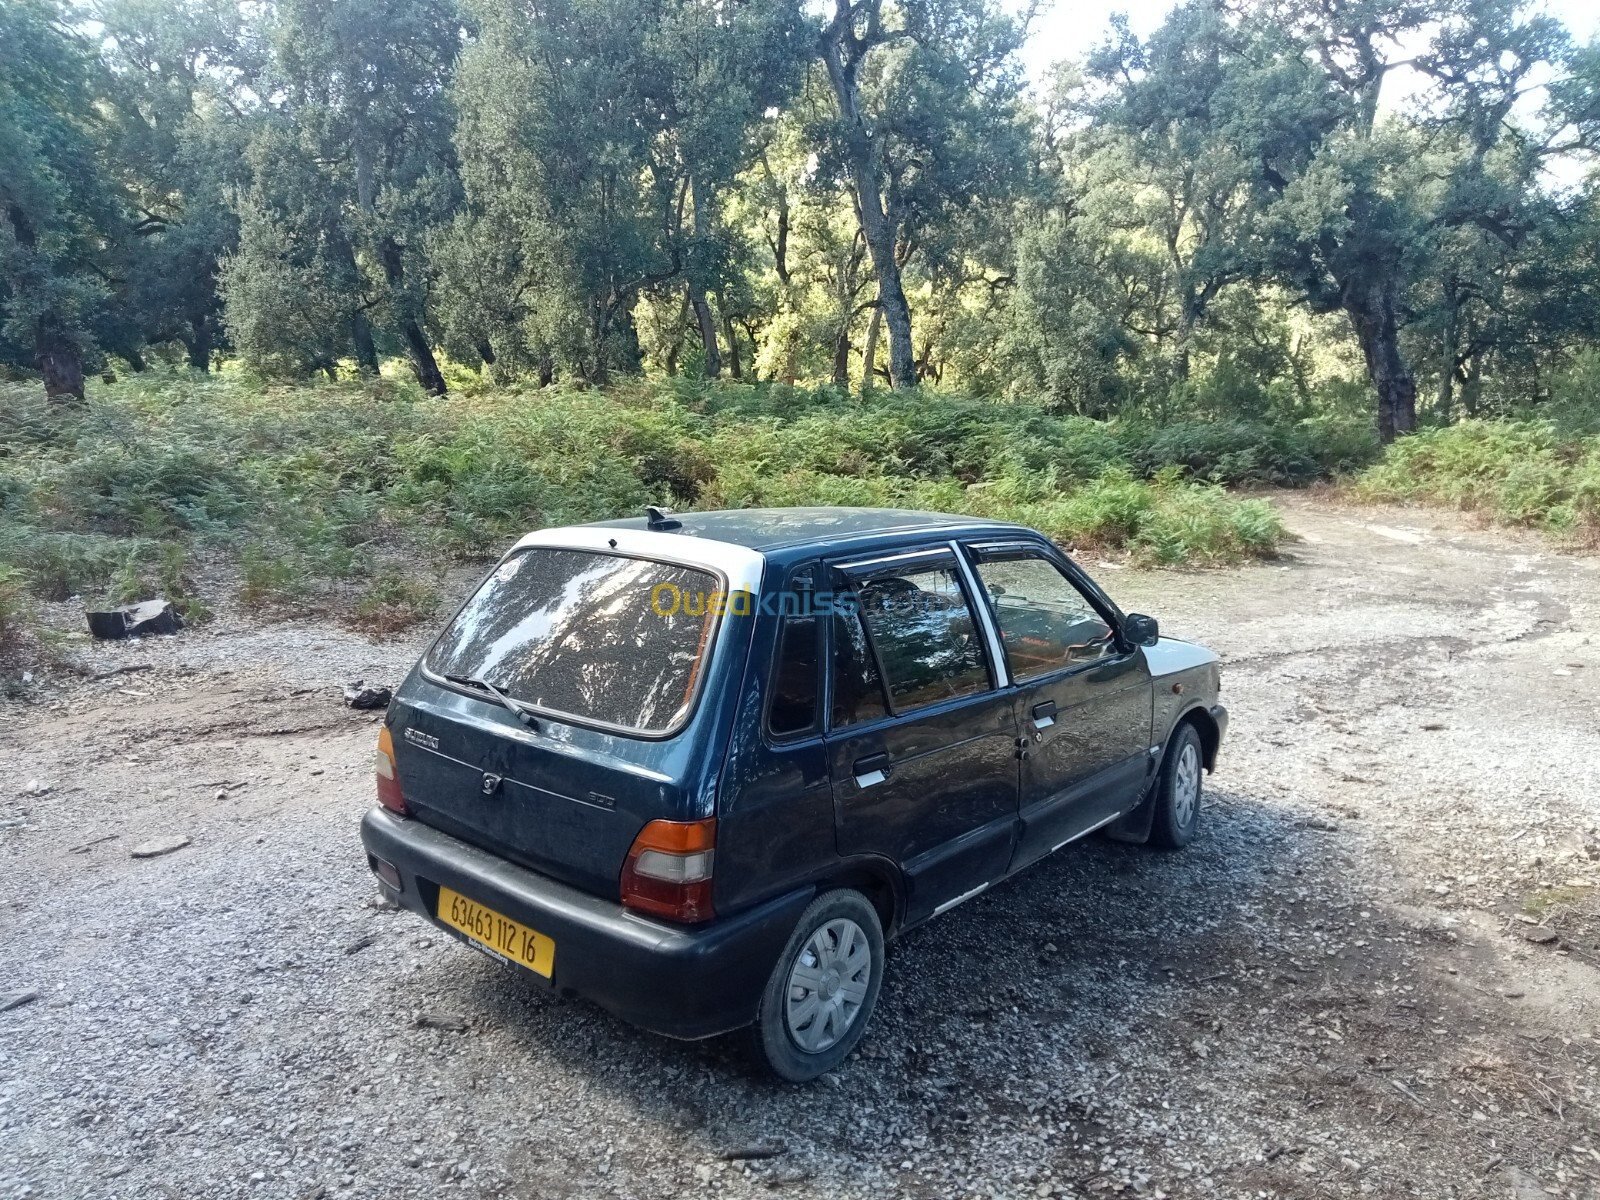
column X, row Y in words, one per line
column 602, row 638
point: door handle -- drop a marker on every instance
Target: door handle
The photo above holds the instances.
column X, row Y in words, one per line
column 1044, row 715
column 873, row 769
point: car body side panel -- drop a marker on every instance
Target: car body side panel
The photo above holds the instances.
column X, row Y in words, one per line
column 1186, row 677
column 947, row 810
column 1088, row 763
column 775, row 807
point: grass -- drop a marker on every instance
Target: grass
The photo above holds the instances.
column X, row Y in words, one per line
column 1530, row 472
column 351, row 498
column 1542, row 903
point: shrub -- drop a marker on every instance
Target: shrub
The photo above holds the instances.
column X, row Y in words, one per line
column 345, row 496
column 14, row 610
column 1514, row 472
column 393, row 602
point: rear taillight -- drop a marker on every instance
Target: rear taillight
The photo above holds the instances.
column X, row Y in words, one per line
column 388, row 778
column 668, row 871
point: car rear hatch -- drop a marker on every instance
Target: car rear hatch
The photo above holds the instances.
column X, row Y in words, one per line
column 576, row 697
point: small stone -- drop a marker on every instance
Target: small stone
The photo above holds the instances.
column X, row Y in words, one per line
column 156, row 847
column 1540, row 935
column 160, row 1037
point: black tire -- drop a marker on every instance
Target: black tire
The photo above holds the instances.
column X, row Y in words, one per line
column 830, row 917
column 1179, row 790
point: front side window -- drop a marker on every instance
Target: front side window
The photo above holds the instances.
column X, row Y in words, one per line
column 1046, row 623
column 924, row 633
column 598, row 637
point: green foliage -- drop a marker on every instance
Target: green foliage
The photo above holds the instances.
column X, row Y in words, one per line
column 392, row 602
column 348, row 497
column 1515, row 472
column 14, row 608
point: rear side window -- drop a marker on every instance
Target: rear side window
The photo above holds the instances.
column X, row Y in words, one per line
column 794, row 671
column 599, row 637
column 926, row 639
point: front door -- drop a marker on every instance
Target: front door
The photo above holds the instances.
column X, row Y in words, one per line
column 922, row 743
column 1083, row 697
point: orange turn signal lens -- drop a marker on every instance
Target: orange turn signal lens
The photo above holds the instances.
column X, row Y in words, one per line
column 388, row 777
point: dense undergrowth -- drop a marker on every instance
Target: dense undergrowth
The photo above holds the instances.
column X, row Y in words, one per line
column 350, row 497
column 1535, row 473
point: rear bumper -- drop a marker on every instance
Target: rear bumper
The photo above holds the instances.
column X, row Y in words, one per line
column 684, row 982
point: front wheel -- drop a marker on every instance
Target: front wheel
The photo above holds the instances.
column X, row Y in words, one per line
column 821, row 993
column 1178, row 790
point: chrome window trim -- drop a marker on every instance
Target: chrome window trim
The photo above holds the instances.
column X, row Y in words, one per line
column 981, row 609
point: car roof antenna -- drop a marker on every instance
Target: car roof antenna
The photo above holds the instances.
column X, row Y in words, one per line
column 660, row 520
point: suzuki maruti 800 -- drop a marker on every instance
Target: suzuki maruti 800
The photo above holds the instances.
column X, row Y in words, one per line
column 698, row 768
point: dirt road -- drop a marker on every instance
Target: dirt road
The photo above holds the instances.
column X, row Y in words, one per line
column 1377, row 972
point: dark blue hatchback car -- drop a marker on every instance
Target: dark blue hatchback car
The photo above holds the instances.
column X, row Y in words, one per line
column 698, row 768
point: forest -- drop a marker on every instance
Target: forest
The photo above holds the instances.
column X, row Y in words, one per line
column 350, row 291
column 1268, row 208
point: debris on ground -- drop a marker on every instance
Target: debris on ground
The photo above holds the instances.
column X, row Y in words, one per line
column 361, row 695
column 440, row 1021
column 135, row 620
column 156, row 847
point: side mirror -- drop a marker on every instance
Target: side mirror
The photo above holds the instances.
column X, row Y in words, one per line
column 1141, row 630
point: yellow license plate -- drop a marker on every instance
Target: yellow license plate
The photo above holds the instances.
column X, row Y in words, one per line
column 507, row 938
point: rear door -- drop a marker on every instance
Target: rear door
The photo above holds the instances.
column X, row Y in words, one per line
column 922, row 738
column 1083, row 697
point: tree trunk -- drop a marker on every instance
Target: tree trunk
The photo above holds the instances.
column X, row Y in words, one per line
column 366, row 350
column 698, row 282
column 1373, row 310
column 708, row 330
column 1470, row 387
column 547, row 369
column 198, row 343
column 423, row 365
column 734, row 368
column 55, row 354
column 879, row 228
column 485, row 351
column 1183, row 340
column 841, row 357
column 869, row 356
column 62, row 370
column 1447, row 352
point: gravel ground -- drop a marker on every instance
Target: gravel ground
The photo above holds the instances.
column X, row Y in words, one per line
column 1376, row 972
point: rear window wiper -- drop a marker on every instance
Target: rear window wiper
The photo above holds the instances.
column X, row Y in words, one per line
column 485, row 686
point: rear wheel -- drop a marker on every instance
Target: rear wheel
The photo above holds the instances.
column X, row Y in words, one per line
column 1178, row 790
column 821, row 993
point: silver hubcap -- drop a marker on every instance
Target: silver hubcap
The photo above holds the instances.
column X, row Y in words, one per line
column 828, row 984
column 1186, row 785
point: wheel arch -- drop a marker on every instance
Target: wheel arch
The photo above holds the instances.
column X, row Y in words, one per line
column 878, row 880
column 1206, row 726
